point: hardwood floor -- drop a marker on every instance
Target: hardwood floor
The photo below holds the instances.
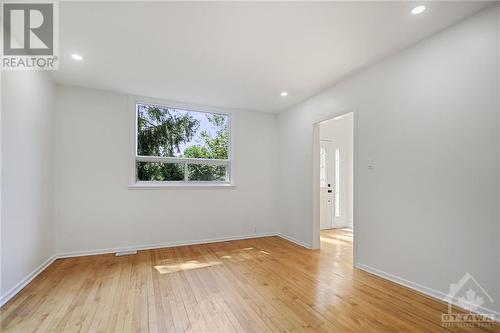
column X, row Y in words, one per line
column 256, row 285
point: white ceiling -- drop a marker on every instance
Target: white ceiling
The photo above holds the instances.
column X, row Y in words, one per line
column 236, row 54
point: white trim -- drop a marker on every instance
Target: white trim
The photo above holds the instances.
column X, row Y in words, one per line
column 420, row 288
column 355, row 196
column 162, row 245
column 296, row 241
column 181, row 186
column 181, row 105
column 315, row 178
column 21, row 284
column 180, row 160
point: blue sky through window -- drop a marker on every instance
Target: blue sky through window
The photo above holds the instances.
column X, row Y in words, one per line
column 204, row 125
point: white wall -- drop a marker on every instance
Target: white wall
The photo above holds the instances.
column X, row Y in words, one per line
column 498, row 161
column 428, row 116
column 95, row 209
column 27, row 175
column 340, row 132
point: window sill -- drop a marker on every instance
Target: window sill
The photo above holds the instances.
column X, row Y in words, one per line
column 140, row 186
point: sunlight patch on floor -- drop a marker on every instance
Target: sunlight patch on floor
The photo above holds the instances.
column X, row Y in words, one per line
column 332, row 241
column 243, row 254
column 185, row 266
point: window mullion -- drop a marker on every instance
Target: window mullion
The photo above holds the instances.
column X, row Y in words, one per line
column 161, row 159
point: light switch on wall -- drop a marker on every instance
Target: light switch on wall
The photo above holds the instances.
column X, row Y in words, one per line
column 371, row 164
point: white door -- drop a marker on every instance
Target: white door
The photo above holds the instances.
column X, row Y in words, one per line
column 326, row 178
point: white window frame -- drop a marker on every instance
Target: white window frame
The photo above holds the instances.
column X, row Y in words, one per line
column 181, row 184
column 338, row 182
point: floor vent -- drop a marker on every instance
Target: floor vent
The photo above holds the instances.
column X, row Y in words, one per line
column 125, row 253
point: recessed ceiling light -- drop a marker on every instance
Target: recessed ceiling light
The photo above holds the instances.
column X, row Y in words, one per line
column 284, row 94
column 76, row 57
column 418, row 10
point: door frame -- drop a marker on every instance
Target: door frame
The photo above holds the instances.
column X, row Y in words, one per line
column 316, row 188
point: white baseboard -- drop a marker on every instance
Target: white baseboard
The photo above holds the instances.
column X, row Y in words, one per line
column 19, row 286
column 420, row 288
column 294, row 240
column 161, row 245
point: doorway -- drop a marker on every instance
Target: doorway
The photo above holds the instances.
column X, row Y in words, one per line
column 334, row 164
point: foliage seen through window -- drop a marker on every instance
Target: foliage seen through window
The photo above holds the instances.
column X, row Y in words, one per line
column 187, row 145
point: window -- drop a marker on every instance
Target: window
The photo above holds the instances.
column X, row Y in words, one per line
column 178, row 146
column 322, row 167
column 337, row 182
